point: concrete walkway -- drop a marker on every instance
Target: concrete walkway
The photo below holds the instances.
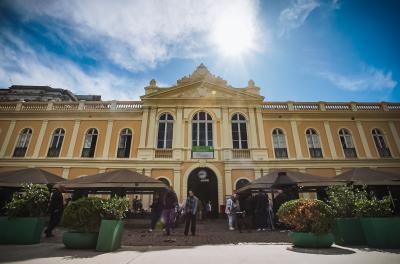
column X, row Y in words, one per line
column 45, row 253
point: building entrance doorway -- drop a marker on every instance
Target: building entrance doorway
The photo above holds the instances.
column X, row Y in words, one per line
column 203, row 182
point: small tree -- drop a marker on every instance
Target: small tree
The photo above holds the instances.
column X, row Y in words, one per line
column 114, row 208
column 32, row 201
column 343, row 200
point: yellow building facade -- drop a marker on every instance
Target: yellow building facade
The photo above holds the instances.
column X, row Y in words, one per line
column 200, row 130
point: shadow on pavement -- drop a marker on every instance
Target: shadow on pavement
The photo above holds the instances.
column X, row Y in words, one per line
column 322, row 251
column 383, row 250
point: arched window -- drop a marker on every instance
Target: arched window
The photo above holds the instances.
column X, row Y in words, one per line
column 124, row 144
column 314, row 145
column 380, row 143
column 279, row 141
column 165, row 131
column 239, row 132
column 202, row 129
column 347, row 143
column 164, row 180
column 23, row 142
column 56, row 143
column 89, row 145
column 241, row 183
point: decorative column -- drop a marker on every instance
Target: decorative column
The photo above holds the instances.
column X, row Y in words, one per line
column 143, row 128
column 39, row 141
column 296, row 138
column 73, row 139
column 152, row 120
column 226, row 135
column 331, row 144
column 260, row 126
column 363, row 139
column 107, row 140
column 395, row 135
column 177, row 143
column 10, row 130
column 253, row 132
column 228, row 182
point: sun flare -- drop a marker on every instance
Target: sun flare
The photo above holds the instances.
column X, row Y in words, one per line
column 234, row 33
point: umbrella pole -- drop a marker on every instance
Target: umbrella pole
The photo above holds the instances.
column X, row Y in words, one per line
column 390, row 195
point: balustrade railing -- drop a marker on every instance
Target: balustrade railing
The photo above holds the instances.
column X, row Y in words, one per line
column 163, row 154
column 240, row 153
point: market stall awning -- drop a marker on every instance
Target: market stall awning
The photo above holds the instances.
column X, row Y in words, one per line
column 121, row 179
column 367, row 176
column 30, row 175
column 282, row 178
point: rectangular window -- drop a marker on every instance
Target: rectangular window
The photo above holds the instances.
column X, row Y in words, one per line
column 89, row 146
column 350, row 152
column 202, row 134
column 209, row 135
column 19, row 152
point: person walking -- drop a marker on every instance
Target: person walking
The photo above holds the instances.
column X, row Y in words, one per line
column 156, row 211
column 191, row 206
column 56, row 207
column 232, row 206
column 261, row 211
column 209, row 210
column 169, row 203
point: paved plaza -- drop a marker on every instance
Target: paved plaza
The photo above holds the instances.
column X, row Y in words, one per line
column 212, row 244
column 45, row 253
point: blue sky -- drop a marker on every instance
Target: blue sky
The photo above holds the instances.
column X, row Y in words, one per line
column 294, row 50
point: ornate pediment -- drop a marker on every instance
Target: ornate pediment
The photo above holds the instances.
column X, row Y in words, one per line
column 202, row 84
column 201, row 74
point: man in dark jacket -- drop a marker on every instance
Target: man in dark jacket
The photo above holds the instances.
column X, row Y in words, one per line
column 191, row 207
column 169, row 204
column 56, row 208
column 156, row 211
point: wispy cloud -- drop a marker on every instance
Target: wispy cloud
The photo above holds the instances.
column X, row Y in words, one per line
column 370, row 79
column 138, row 35
column 295, row 15
column 20, row 64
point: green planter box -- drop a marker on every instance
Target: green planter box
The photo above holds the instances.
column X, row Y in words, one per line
column 311, row 240
column 110, row 235
column 348, row 231
column 77, row 240
column 382, row 232
column 21, row 230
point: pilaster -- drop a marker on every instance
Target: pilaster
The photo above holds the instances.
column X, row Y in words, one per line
column 39, row 141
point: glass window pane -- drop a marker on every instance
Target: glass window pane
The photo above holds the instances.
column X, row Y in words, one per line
column 194, row 131
column 209, row 131
column 241, row 117
column 235, row 144
column 202, row 116
column 243, row 133
column 244, row 144
column 169, row 131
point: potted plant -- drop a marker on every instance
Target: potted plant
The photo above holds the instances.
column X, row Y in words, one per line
column 25, row 220
column 381, row 229
column 347, row 228
column 311, row 220
column 82, row 218
column 112, row 212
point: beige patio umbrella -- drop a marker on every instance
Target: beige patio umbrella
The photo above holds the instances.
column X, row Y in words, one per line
column 121, row 179
column 30, row 175
column 367, row 176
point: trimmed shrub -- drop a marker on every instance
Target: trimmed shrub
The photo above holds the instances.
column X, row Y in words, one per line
column 32, row 201
column 114, row 208
column 307, row 215
column 83, row 215
column 343, row 200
